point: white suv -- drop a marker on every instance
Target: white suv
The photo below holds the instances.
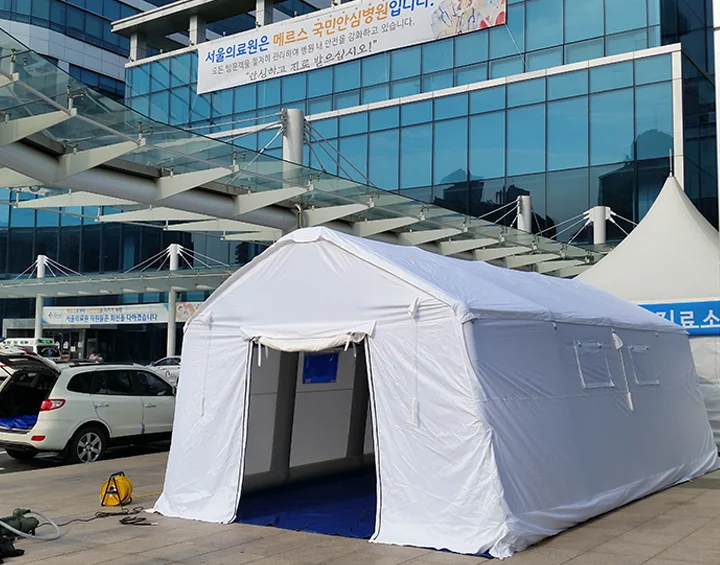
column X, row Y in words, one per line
column 78, row 409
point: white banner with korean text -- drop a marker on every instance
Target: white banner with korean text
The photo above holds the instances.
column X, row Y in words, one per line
column 157, row 313
column 343, row 33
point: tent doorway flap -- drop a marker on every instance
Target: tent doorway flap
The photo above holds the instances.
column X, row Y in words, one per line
column 321, row 338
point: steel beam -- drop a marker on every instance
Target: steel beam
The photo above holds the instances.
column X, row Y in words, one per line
column 265, row 235
column 464, row 245
column 71, row 164
column 515, row 262
column 245, row 203
column 7, row 80
column 74, row 199
column 158, row 214
column 426, row 236
column 573, row 271
column 13, row 179
column 373, row 227
column 320, row 216
column 12, row 131
column 175, row 184
column 554, row 266
column 216, row 225
column 498, row 253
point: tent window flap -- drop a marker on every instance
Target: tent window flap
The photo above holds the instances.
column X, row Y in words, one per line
column 593, row 364
column 643, row 367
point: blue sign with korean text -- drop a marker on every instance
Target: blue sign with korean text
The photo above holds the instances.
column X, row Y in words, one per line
column 320, row 368
column 698, row 318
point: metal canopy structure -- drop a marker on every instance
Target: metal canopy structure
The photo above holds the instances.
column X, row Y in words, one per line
column 59, row 133
column 124, row 283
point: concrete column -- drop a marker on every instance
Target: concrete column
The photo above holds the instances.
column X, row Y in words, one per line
column 138, row 47
column 599, row 216
column 197, row 32
column 263, row 12
column 525, row 213
column 174, row 252
column 39, row 300
column 293, row 124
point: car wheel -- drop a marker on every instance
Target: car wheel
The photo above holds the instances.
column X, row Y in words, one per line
column 87, row 445
column 21, row 455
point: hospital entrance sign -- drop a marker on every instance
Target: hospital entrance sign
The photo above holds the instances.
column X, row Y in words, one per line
column 338, row 34
column 698, row 318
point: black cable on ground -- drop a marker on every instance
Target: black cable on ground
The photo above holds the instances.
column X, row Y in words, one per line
column 125, row 513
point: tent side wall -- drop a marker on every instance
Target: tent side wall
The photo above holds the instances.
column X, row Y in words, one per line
column 706, row 352
column 439, row 481
column 204, row 467
column 566, row 405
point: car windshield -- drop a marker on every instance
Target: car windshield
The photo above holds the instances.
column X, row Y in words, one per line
column 167, row 361
column 49, row 351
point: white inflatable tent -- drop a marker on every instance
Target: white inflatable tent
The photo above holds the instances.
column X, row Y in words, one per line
column 672, row 258
column 507, row 406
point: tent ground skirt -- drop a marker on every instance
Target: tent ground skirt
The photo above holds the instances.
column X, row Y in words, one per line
column 342, row 504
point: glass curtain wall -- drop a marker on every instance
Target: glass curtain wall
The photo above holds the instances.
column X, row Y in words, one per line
column 539, row 34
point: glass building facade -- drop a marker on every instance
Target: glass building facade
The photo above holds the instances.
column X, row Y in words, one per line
column 574, row 102
column 572, row 140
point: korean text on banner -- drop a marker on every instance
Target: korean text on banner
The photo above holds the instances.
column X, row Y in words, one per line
column 338, row 34
column 698, row 318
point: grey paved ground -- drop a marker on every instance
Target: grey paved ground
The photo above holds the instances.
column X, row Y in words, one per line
column 680, row 526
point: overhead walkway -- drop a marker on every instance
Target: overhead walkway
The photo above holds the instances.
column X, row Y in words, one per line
column 57, row 132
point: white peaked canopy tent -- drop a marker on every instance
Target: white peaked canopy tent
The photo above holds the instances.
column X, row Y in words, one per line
column 673, row 257
column 506, row 406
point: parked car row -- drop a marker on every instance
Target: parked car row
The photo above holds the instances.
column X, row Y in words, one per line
column 78, row 409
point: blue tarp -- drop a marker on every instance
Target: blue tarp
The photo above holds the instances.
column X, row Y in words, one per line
column 342, row 505
column 19, row 422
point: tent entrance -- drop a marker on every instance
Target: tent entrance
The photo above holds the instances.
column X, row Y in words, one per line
column 309, row 452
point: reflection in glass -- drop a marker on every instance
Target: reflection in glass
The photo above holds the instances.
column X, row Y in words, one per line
column 624, row 15
column 526, row 140
column 567, row 197
column 544, row 26
column 565, row 85
column 651, row 177
column 471, row 48
column 416, row 156
column 583, row 20
column 450, row 151
column 487, row 146
column 653, row 121
column 568, row 134
column 611, row 127
column 384, row 161
column 354, row 150
column 584, row 51
column 614, row 186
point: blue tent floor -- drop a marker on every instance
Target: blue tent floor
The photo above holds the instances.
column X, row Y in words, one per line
column 342, row 505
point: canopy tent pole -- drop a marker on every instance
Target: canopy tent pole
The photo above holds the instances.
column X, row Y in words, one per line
column 174, row 253
column 39, row 300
